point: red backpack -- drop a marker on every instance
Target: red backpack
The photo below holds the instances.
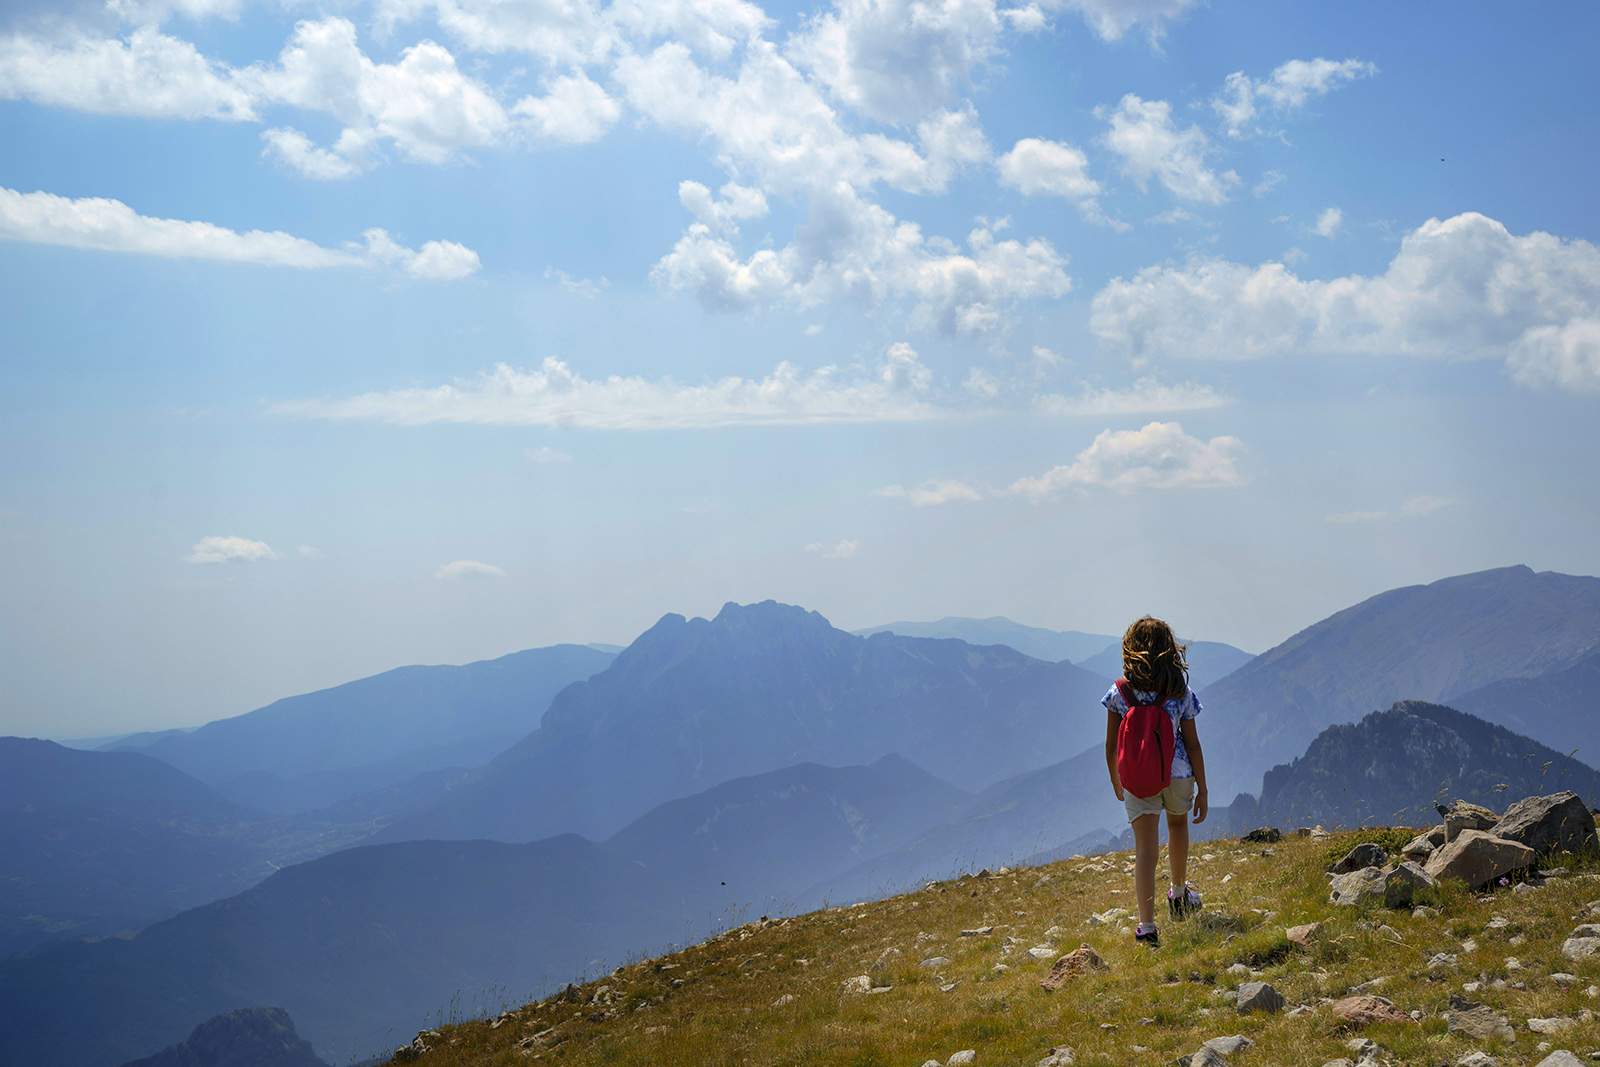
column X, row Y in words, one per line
column 1144, row 745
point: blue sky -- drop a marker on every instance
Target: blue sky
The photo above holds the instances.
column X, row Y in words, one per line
column 346, row 335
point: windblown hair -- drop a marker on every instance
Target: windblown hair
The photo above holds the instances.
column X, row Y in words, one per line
column 1153, row 660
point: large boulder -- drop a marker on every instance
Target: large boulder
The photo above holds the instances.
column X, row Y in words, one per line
column 1476, row 1020
column 1081, row 960
column 1357, row 887
column 1559, row 822
column 1478, row 858
column 1363, row 855
column 1422, row 846
column 1463, row 816
column 1401, row 884
column 1259, row 996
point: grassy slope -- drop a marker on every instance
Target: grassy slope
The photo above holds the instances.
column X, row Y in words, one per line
column 722, row 1014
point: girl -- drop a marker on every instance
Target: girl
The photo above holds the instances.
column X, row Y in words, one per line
column 1154, row 667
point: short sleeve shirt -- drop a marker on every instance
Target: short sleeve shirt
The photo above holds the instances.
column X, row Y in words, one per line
column 1186, row 708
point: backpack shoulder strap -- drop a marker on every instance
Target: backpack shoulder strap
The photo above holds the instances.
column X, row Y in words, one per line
column 1127, row 693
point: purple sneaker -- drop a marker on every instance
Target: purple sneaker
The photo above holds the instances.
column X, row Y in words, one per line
column 1182, row 902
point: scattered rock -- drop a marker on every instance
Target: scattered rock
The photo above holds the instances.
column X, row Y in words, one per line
column 1366, row 1010
column 1340, row 1062
column 1259, row 996
column 1443, row 959
column 1264, row 835
column 1042, row 952
column 1364, row 885
column 1424, row 913
column 1477, row 1059
column 1304, row 936
column 1560, row 1058
column 1582, row 943
column 1421, row 847
column 859, row 984
column 1551, row 1026
column 1081, row 960
column 1365, row 1048
column 966, row 1055
column 934, row 961
column 1476, row 1020
column 1477, row 858
column 1563, row 978
column 1364, row 855
column 1318, row 833
column 1060, row 1056
column 1239, row 969
column 1229, row 1045
column 1401, row 884
column 948, row 987
column 979, row 931
column 1463, row 816
column 1559, row 822
column 787, row 998
column 1205, row 1057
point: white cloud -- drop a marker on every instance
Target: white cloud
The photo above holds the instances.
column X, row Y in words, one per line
column 309, row 552
column 1270, row 180
column 546, row 454
column 297, row 152
column 1463, row 288
column 229, row 550
column 1143, row 134
column 713, row 27
column 1113, row 18
column 931, row 494
column 112, row 226
column 155, row 12
column 469, row 568
column 1146, row 396
column 560, row 32
column 1567, row 355
column 981, row 383
column 149, row 74
column 1424, row 505
column 1328, row 223
column 1037, row 167
column 897, row 60
column 1171, row 217
column 841, row 550
column 738, row 202
column 1158, row 456
column 1288, row 89
column 574, row 110
column 554, row 395
column 582, row 287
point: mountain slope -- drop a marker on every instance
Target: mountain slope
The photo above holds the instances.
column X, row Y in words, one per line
column 1425, row 642
column 1558, row 709
column 760, row 687
column 372, row 938
column 312, row 750
column 1052, row 646
column 95, row 842
column 1392, row 766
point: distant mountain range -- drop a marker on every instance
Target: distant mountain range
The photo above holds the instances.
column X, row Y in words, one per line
column 761, row 687
column 1052, row 646
column 313, row 750
column 1425, row 642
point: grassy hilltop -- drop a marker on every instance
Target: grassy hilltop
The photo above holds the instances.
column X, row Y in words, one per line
column 771, row 992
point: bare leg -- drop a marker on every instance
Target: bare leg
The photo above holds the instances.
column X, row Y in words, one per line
column 1178, row 847
column 1146, row 850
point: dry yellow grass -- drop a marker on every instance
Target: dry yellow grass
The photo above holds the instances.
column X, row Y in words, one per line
column 717, row 1003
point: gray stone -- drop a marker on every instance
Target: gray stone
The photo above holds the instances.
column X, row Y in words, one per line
column 1229, row 1045
column 1475, row 1020
column 1340, row 1062
column 1477, row 858
column 1401, row 884
column 1060, row 1056
column 1477, row 1059
column 1259, row 996
column 859, row 984
column 1463, row 816
column 979, row 931
column 934, row 961
column 1421, row 847
column 1208, row 1057
column 966, row 1055
column 1365, row 855
column 1583, row 943
column 1360, row 886
column 1551, row 1026
column 1560, row 1058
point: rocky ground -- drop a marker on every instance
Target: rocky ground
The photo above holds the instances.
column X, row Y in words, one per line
column 1357, row 948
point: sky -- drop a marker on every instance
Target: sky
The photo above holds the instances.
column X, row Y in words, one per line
column 339, row 336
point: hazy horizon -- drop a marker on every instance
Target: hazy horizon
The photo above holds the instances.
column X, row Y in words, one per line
column 342, row 337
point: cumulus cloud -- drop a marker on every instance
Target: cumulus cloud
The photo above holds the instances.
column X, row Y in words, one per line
column 1461, row 288
column 469, row 568
column 931, row 493
column 1145, row 396
column 1328, row 223
column 229, row 550
column 840, row 550
column 112, row 226
column 1158, row 456
column 574, row 110
column 737, row 203
column 1151, row 146
column 583, row 287
column 1036, row 167
column 554, row 395
column 1113, row 18
column 1288, row 89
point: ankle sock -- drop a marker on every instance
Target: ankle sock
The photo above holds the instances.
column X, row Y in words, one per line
column 1144, row 928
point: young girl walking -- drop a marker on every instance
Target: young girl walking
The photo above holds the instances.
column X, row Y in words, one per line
column 1154, row 672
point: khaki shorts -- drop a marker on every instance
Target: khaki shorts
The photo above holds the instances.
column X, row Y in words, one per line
column 1174, row 800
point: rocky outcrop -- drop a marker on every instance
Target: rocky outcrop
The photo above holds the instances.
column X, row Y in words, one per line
column 249, row 1037
column 1556, row 823
column 1463, row 816
column 1363, row 855
column 1400, row 884
column 1478, row 858
column 1358, row 887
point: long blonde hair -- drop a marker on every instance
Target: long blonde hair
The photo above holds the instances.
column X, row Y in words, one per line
column 1152, row 659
